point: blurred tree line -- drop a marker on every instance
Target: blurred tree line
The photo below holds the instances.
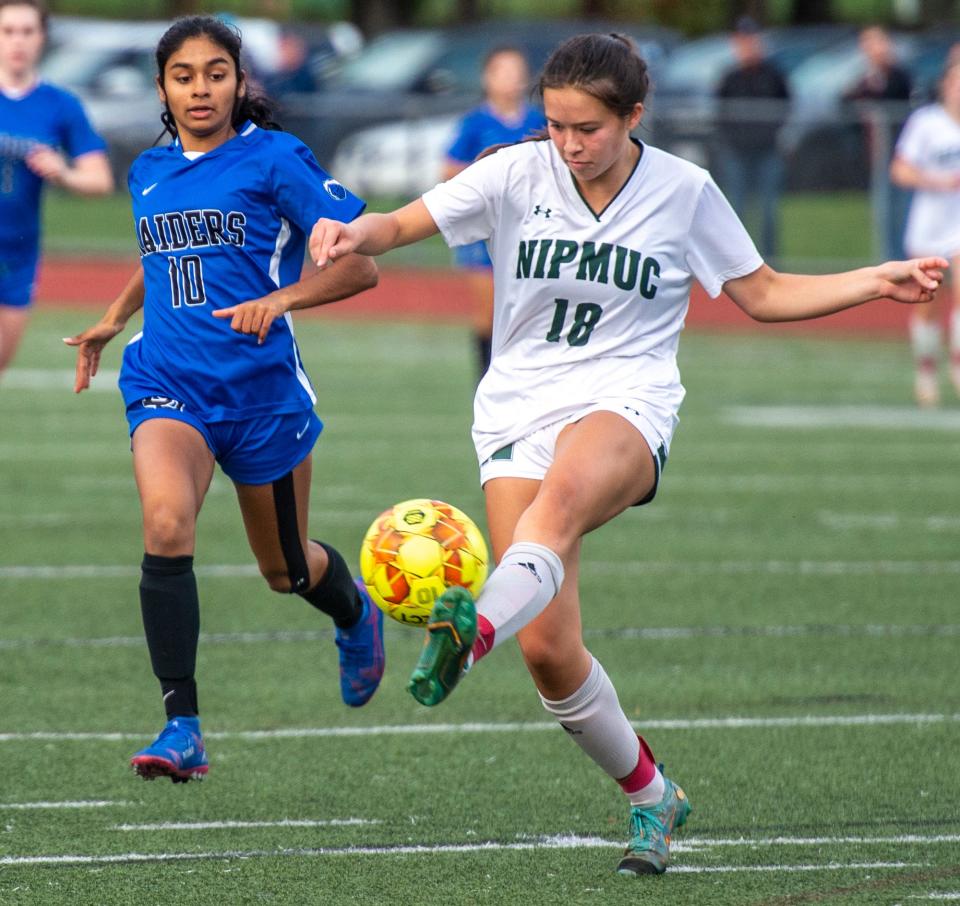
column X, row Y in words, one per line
column 691, row 18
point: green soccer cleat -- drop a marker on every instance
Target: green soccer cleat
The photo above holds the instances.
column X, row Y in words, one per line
column 650, row 830
column 450, row 635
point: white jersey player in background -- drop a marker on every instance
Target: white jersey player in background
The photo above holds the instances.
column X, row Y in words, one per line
column 927, row 160
column 595, row 240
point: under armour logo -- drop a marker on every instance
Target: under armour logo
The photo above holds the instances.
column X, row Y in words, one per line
column 533, row 569
column 545, row 211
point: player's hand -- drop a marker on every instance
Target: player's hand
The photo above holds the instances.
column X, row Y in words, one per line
column 47, row 163
column 913, row 281
column 331, row 239
column 89, row 345
column 254, row 317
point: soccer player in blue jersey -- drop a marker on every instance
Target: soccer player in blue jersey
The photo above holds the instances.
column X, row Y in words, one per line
column 215, row 375
column 44, row 138
column 503, row 118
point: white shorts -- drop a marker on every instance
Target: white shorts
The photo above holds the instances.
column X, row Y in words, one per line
column 531, row 456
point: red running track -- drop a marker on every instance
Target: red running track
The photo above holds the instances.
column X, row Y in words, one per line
column 441, row 296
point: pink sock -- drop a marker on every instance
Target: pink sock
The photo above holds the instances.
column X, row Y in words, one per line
column 642, row 775
column 485, row 635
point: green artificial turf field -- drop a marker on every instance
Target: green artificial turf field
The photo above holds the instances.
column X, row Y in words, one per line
column 781, row 623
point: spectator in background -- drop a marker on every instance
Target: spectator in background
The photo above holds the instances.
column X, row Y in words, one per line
column 884, row 90
column 753, row 99
column 927, row 160
column 293, row 74
column 44, row 138
column 503, row 118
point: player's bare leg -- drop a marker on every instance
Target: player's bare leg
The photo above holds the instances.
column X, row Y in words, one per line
column 925, row 342
column 954, row 325
column 173, row 468
column 276, row 517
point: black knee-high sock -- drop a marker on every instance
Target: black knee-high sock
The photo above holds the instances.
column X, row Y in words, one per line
column 171, row 623
column 484, row 351
column 335, row 594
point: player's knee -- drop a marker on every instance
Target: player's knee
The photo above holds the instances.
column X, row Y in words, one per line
column 556, row 514
column 277, row 579
column 167, row 531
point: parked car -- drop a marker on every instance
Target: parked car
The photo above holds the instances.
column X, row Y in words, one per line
column 825, row 135
column 683, row 108
column 423, row 74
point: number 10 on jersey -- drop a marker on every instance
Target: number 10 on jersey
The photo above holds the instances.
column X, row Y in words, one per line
column 186, row 281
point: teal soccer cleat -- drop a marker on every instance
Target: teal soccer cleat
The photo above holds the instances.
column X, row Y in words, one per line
column 650, row 831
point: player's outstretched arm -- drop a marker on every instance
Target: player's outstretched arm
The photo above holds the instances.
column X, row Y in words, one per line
column 767, row 295
column 370, row 234
column 91, row 341
column 353, row 274
column 89, row 174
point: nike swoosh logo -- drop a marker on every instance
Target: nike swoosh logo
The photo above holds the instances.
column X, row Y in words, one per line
column 148, row 189
column 168, row 695
column 304, row 431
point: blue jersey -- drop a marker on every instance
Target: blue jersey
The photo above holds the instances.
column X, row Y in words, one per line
column 481, row 128
column 226, row 227
column 44, row 116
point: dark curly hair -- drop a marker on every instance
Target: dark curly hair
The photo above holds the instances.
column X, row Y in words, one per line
column 252, row 106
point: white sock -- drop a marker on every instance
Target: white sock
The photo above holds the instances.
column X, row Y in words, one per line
column 593, row 718
column 924, row 340
column 525, row 581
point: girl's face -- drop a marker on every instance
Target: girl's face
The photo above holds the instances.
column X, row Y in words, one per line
column 506, row 77
column 950, row 88
column 200, row 87
column 590, row 137
column 21, row 40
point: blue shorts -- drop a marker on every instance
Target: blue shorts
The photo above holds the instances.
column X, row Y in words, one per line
column 473, row 255
column 17, row 280
column 251, row 451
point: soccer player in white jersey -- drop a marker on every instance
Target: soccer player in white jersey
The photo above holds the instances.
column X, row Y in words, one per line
column 927, row 160
column 595, row 240
column 221, row 216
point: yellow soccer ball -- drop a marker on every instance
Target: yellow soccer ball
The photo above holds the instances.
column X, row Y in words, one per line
column 415, row 550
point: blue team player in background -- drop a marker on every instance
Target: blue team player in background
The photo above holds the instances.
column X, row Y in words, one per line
column 221, row 216
column 504, row 117
column 44, row 137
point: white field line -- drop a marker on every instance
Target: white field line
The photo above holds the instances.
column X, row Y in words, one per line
column 657, row 633
column 243, row 825
column 692, row 844
column 706, row 723
column 699, row 567
column 782, row 567
column 57, row 379
column 904, row 418
column 954, row 895
column 81, row 803
column 545, row 843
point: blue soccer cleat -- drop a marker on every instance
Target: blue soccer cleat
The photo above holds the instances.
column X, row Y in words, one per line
column 361, row 653
column 177, row 753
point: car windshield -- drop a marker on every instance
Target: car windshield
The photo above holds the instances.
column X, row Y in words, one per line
column 75, row 66
column 392, row 61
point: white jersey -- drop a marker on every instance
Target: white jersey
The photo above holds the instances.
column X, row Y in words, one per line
column 930, row 141
column 588, row 306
